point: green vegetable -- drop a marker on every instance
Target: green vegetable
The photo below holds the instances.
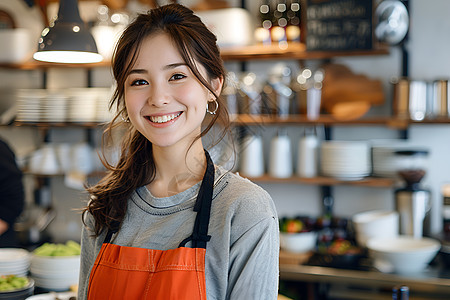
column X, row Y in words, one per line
column 70, row 248
column 12, row 282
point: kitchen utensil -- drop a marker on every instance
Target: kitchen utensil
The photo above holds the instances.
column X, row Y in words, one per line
column 14, row 261
column 375, row 223
column 413, row 202
column 400, row 104
column 54, row 296
column 298, row 242
column 280, row 162
column 15, row 46
column 402, row 254
column 308, row 155
column 417, row 100
column 19, row 294
column 56, row 273
column 252, row 159
column 232, row 26
column 45, row 161
column 348, row 160
column 439, row 104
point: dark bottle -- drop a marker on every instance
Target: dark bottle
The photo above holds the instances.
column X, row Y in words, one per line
column 400, row 293
column 262, row 33
column 293, row 21
column 279, row 22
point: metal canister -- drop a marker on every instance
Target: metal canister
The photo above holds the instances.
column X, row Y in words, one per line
column 439, row 102
column 417, row 100
column 446, row 210
column 400, row 104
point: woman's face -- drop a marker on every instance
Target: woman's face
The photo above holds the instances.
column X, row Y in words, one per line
column 165, row 101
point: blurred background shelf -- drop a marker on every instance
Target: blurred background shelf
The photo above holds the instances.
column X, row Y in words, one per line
column 329, row 181
column 248, row 119
column 292, row 51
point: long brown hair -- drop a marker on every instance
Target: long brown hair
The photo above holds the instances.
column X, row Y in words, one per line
column 135, row 168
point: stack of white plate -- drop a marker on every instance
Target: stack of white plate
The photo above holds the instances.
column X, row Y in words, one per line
column 14, row 261
column 348, row 160
column 54, row 107
column 82, row 105
column 29, row 105
column 56, row 273
column 102, row 106
column 384, row 162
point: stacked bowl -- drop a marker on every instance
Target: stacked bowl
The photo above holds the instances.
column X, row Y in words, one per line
column 56, row 273
column 402, row 254
column 375, row 224
column 14, row 261
column 348, row 160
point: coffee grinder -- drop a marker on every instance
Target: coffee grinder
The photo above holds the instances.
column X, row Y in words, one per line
column 412, row 201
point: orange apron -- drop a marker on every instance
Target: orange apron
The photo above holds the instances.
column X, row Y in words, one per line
column 121, row 272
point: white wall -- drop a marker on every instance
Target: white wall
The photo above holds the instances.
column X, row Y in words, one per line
column 429, row 59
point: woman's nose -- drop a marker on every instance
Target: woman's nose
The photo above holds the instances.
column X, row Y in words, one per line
column 158, row 97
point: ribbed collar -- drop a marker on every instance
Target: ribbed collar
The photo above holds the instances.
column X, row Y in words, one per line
column 144, row 199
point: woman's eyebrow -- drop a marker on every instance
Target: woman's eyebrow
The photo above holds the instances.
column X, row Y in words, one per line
column 167, row 67
column 138, row 71
column 174, row 65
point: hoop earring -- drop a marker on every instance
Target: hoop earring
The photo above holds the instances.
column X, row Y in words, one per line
column 127, row 120
column 213, row 112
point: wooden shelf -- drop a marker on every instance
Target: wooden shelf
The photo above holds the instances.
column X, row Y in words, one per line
column 396, row 123
column 293, row 51
column 46, row 125
column 36, row 65
column 261, row 120
column 367, row 181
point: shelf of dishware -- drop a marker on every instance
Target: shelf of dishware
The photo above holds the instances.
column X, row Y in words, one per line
column 261, row 120
column 289, row 51
column 431, row 281
column 329, row 181
column 388, row 121
column 47, row 125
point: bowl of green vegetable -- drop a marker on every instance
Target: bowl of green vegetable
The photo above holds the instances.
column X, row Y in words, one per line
column 13, row 287
column 56, row 266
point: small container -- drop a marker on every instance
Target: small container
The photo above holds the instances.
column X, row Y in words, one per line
column 280, row 163
column 252, row 160
column 412, row 164
column 308, row 155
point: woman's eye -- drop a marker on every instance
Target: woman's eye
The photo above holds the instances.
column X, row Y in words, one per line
column 177, row 77
column 139, row 82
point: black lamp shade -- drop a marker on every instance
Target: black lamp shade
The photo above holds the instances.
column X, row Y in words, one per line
column 68, row 40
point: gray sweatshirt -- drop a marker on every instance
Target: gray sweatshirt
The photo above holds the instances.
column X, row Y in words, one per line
column 242, row 255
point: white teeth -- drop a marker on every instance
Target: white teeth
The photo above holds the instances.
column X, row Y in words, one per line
column 164, row 119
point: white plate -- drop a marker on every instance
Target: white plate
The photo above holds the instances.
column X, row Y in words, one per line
column 13, row 254
column 51, row 296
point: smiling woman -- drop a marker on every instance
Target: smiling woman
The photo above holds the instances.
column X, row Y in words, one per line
column 166, row 222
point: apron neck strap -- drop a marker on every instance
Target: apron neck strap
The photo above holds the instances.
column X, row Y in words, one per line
column 202, row 206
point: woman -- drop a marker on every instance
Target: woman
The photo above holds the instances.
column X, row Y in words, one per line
column 12, row 196
column 165, row 223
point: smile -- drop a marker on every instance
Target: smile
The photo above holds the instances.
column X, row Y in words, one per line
column 163, row 119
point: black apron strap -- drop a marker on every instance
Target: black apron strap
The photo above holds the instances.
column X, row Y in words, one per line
column 111, row 230
column 202, row 206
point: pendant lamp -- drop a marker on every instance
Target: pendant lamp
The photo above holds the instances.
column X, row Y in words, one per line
column 68, row 39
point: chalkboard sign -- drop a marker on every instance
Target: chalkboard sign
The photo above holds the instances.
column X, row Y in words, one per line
column 339, row 24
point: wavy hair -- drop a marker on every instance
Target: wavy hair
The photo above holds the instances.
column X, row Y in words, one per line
column 135, row 167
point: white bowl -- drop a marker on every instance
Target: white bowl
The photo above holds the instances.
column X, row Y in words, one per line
column 403, row 254
column 375, row 223
column 55, row 263
column 298, row 242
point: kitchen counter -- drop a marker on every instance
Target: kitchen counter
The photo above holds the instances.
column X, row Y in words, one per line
column 433, row 280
